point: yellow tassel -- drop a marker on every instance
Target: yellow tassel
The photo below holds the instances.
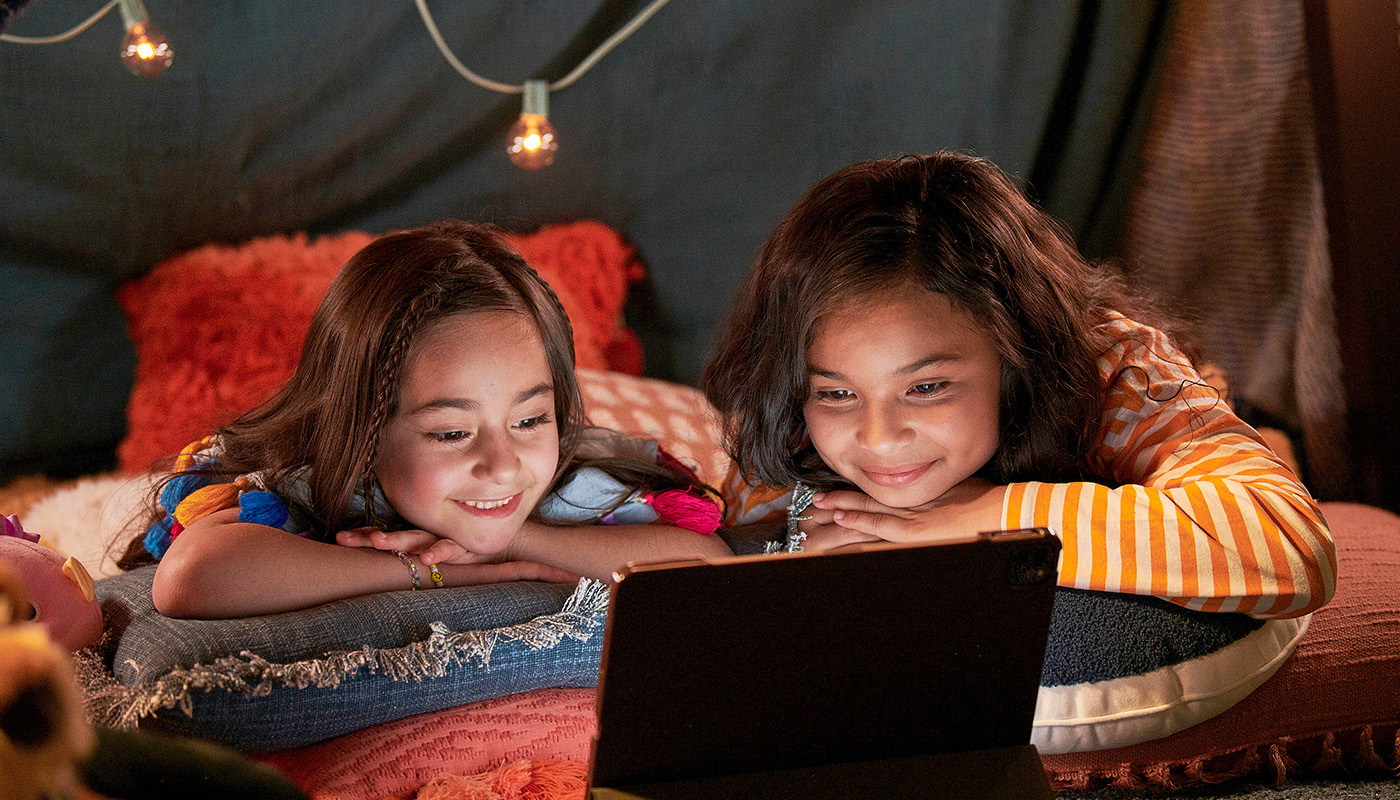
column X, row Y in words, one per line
column 206, row 501
column 186, row 458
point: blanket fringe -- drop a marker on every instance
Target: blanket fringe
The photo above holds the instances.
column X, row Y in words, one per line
column 545, row 779
column 1283, row 764
column 1287, row 758
column 1329, row 757
column 111, row 704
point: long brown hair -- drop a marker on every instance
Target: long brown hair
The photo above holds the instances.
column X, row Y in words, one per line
column 949, row 223
column 345, row 389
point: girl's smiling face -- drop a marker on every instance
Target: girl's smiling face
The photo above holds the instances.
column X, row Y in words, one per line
column 903, row 394
column 474, row 443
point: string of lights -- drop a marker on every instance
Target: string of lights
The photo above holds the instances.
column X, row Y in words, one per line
column 532, row 141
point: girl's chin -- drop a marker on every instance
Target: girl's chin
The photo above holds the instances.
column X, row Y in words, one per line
column 487, row 539
column 480, row 537
column 906, row 497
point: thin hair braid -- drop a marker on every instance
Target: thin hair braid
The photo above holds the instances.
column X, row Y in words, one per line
column 558, row 304
column 418, row 308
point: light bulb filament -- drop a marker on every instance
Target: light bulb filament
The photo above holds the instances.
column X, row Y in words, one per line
column 532, row 142
column 144, row 50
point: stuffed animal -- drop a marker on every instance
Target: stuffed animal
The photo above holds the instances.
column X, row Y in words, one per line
column 42, row 733
column 47, row 749
column 60, row 592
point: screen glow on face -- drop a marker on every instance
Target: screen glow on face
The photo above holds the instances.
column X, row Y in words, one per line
column 474, row 443
column 903, row 395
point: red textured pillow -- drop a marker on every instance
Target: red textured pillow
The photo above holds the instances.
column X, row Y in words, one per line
column 397, row 758
column 219, row 328
column 1333, row 707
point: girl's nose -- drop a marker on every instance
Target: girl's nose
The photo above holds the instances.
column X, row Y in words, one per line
column 496, row 459
column 882, row 428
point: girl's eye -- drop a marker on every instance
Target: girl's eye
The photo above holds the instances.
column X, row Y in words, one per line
column 533, row 422
column 449, row 436
column 834, row 395
column 931, row 388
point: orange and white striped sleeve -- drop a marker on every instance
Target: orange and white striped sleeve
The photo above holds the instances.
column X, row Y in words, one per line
column 1200, row 512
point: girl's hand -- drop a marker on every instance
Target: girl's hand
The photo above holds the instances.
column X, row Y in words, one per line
column 430, row 548
column 471, row 568
column 961, row 513
column 824, row 534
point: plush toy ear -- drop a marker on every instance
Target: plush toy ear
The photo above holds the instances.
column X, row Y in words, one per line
column 74, row 571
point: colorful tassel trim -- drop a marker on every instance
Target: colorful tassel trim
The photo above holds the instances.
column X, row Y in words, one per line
column 193, row 494
column 685, row 509
column 205, row 501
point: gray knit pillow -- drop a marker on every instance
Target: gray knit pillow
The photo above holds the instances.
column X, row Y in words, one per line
column 290, row 679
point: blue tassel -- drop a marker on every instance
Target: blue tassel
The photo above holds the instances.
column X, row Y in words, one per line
column 158, row 537
column 263, row 508
column 180, row 487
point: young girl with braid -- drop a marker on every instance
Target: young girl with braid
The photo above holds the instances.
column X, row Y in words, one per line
column 435, row 399
column 925, row 355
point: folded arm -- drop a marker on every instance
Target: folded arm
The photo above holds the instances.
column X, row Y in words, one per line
column 220, row 568
column 1199, row 511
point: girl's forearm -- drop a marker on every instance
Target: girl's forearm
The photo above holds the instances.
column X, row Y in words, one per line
column 221, row 568
column 598, row 551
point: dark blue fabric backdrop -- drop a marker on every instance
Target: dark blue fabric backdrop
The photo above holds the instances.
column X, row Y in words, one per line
column 692, row 138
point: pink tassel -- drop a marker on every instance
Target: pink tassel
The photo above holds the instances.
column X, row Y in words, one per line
column 686, row 510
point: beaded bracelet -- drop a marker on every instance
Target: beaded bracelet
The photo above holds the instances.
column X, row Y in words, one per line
column 435, row 574
column 413, row 568
column 797, row 508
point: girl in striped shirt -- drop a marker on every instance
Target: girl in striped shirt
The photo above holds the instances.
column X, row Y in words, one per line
column 924, row 354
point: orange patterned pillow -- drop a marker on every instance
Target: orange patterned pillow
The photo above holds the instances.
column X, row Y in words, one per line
column 677, row 417
column 219, row 328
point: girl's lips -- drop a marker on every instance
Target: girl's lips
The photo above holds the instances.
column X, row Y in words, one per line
column 496, row 512
column 898, row 476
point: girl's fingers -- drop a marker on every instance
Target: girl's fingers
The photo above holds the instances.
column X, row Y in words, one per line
column 882, row 526
column 850, row 501
column 446, row 551
column 411, row 541
column 900, row 529
column 828, row 537
column 355, row 537
column 814, row 519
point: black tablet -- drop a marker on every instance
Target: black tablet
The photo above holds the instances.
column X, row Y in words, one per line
column 817, row 668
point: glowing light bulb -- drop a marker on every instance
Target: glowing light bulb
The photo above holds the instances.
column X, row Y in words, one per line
column 533, row 143
column 144, row 50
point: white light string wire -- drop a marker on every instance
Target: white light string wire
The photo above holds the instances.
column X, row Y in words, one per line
column 584, row 65
column 62, row 37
